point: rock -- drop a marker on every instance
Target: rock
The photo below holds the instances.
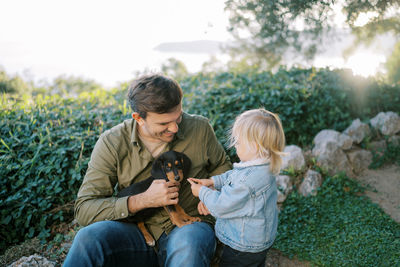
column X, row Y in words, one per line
column 358, row 131
column 394, row 140
column 387, row 123
column 342, row 140
column 294, row 158
column 378, row 145
column 330, row 156
column 284, row 184
column 360, row 159
column 33, row 261
column 311, row 182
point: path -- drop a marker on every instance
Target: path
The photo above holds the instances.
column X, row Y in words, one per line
column 383, row 188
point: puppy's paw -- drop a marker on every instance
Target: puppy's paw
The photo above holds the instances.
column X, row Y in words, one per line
column 151, row 243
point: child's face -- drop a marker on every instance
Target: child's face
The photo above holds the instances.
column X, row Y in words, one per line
column 245, row 151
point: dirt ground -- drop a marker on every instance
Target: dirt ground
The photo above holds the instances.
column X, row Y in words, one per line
column 383, row 188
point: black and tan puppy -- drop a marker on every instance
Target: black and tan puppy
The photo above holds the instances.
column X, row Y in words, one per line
column 170, row 166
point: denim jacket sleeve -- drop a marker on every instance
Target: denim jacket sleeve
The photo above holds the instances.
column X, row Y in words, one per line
column 227, row 203
column 219, row 180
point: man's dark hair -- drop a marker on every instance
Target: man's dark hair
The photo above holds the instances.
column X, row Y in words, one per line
column 154, row 93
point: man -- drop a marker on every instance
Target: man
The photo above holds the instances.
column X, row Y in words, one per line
column 124, row 155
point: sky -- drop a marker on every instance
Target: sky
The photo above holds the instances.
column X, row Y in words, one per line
column 102, row 40
column 109, row 41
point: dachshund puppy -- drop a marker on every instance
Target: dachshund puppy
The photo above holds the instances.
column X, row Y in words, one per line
column 170, row 165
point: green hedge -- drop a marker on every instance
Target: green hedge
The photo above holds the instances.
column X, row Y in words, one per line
column 46, row 142
column 45, row 146
column 307, row 100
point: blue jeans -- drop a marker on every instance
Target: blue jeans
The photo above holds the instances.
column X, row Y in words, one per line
column 111, row 243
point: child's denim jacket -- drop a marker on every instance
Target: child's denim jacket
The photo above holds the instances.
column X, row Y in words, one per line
column 244, row 205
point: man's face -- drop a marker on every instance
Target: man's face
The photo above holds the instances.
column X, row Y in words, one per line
column 160, row 127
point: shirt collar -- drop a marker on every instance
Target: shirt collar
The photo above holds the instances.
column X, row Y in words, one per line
column 134, row 135
column 254, row 162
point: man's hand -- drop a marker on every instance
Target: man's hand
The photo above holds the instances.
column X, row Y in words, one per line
column 160, row 193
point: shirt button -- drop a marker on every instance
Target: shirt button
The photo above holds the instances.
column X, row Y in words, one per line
column 122, row 214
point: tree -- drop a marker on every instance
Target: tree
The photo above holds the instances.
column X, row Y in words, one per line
column 174, row 68
column 265, row 30
column 13, row 85
column 393, row 65
column 73, row 85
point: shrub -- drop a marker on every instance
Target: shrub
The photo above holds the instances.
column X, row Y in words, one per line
column 307, row 100
column 46, row 142
column 44, row 151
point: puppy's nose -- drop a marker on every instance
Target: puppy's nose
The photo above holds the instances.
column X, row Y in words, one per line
column 177, row 178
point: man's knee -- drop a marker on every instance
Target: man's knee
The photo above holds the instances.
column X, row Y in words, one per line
column 194, row 236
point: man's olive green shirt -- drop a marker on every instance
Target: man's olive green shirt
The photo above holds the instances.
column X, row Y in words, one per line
column 119, row 159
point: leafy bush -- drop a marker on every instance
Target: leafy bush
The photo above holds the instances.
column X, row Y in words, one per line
column 44, row 151
column 46, row 142
column 307, row 100
column 338, row 227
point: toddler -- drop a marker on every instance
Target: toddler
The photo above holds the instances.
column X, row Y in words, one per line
column 244, row 201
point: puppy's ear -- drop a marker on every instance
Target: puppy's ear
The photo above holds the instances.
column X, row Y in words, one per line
column 187, row 164
column 157, row 170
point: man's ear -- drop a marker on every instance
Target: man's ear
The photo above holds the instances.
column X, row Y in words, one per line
column 157, row 170
column 137, row 118
column 187, row 164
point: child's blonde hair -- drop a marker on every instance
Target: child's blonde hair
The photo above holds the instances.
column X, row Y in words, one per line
column 263, row 130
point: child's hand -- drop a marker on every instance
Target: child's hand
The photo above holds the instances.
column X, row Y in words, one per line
column 194, row 186
column 206, row 182
column 202, row 209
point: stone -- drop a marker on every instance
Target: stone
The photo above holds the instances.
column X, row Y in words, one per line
column 294, row 158
column 360, row 159
column 394, row 140
column 342, row 140
column 311, row 182
column 284, row 184
column 387, row 123
column 378, row 145
column 33, row 261
column 358, row 131
column 331, row 157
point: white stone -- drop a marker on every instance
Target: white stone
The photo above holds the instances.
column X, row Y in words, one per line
column 311, row 182
column 330, row 156
column 342, row 140
column 284, row 184
column 294, row 158
column 358, row 131
column 360, row 159
column 387, row 123
column 33, row 261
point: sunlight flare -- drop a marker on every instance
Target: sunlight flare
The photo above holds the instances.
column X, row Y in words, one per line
column 365, row 64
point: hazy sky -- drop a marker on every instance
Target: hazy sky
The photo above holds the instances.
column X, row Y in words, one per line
column 108, row 41
column 102, row 40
